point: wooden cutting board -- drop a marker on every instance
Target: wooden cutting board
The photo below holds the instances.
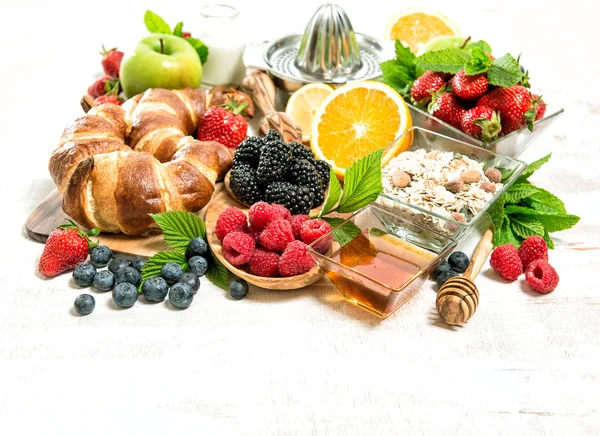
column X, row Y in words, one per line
column 49, row 214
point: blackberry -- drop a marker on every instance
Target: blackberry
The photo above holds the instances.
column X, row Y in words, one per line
column 301, row 151
column 244, row 184
column 249, row 151
column 275, row 159
column 302, row 172
column 298, row 199
column 324, row 170
column 272, row 135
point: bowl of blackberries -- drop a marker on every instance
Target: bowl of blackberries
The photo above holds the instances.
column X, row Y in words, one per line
column 455, row 265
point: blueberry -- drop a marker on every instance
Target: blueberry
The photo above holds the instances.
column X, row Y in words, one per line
column 125, row 294
column 117, row 263
column 138, row 263
column 128, row 275
column 197, row 247
column 192, row 280
column 198, row 265
column 171, row 272
column 155, row 289
column 444, row 276
column 84, row 274
column 104, row 280
column 238, row 289
column 181, row 295
column 84, row 304
column 458, row 261
column 101, row 255
column 444, row 266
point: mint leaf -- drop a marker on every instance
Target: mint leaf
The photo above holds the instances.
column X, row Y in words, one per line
column 496, row 213
column 179, row 228
column 333, row 194
column 362, row 183
column 500, row 232
column 217, row 274
column 404, row 56
column 553, row 222
column 504, row 72
column 481, row 44
column 200, row 48
column 397, row 76
column 549, row 241
column 344, row 233
column 178, row 29
column 153, row 265
column 479, row 62
column 533, row 167
column 512, row 238
column 526, row 225
column 545, row 201
column 519, row 191
column 155, row 24
column 450, row 60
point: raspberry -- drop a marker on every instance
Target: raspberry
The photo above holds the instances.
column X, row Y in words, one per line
column 238, row 248
column 541, row 276
column 313, row 230
column 281, row 211
column 264, row 263
column 297, row 221
column 295, row 260
column 277, row 235
column 261, row 214
column 255, row 235
column 231, row 219
column 506, row 262
column 533, row 248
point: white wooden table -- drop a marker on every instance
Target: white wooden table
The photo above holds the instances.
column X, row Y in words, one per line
column 302, row 362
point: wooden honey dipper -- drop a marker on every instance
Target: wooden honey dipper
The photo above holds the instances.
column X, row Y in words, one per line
column 458, row 298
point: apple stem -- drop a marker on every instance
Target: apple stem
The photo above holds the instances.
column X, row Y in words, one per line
column 162, row 46
column 464, row 44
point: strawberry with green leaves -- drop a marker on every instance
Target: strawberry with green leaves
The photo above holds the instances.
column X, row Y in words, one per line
column 469, row 87
column 427, row 84
column 481, row 122
column 66, row 247
column 515, row 104
column 448, row 108
column 224, row 124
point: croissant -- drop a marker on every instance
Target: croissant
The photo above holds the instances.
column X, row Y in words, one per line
column 116, row 165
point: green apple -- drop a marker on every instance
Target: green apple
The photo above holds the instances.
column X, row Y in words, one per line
column 161, row 61
column 443, row 42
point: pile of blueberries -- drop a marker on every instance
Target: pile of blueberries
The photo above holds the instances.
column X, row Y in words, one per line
column 124, row 277
column 455, row 265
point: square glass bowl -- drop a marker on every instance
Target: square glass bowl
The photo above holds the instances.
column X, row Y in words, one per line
column 429, row 141
column 511, row 145
column 386, row 263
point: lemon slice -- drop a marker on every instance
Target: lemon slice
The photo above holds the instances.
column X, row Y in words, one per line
column 304, row 104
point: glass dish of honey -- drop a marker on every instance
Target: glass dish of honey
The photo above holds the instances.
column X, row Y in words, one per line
column 387, row 261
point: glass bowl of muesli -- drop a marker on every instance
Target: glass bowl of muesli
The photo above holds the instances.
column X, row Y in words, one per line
column 445, row 184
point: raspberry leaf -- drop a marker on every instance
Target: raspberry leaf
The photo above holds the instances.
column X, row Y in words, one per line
column 504, row 72
column 179, row 228
column 217, row 274
column 450, row 60
column 343, row 233
column 333, row 194
column 362, row 183
column 155, row 24
column 153, row 265
column 479, row 62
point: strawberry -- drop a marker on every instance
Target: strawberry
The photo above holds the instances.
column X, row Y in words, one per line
column 98, row 88
column 541, row 107
column 224, row 124
column 108, row 99
column 469, row 87
column 66, row 247
column 481, row 122
column 447, row 108
column 429, row 82
column 186, row 34
column 111, row 61
column 515, row 106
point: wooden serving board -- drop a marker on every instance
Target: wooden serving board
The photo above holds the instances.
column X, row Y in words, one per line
column 49, row 214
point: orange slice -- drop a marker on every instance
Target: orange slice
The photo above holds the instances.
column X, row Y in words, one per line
column 304, row 104
column 357, row 119
column 416, row 26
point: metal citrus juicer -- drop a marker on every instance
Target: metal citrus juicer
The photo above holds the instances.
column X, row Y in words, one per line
column 329, row 51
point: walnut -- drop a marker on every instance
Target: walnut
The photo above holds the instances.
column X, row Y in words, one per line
column 455, row 186
column 488, row 187
column 400, row 179
column 493, row 175
column 470, row 176
column 459, row 217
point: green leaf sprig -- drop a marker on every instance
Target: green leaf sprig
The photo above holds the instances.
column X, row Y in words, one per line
column 179, row 228
column 155, row 24
column 526, row 210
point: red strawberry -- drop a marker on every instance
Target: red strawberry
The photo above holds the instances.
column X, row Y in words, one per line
column 429, row 82
column 186, row 34
column 98, row 88
column 224, row 124
column 469, row 87
column 111, row 61
column 541, row 107
column 447, row 108
column 108, row 99
column 66, row 247
column 514, row 105
column 482, row 123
